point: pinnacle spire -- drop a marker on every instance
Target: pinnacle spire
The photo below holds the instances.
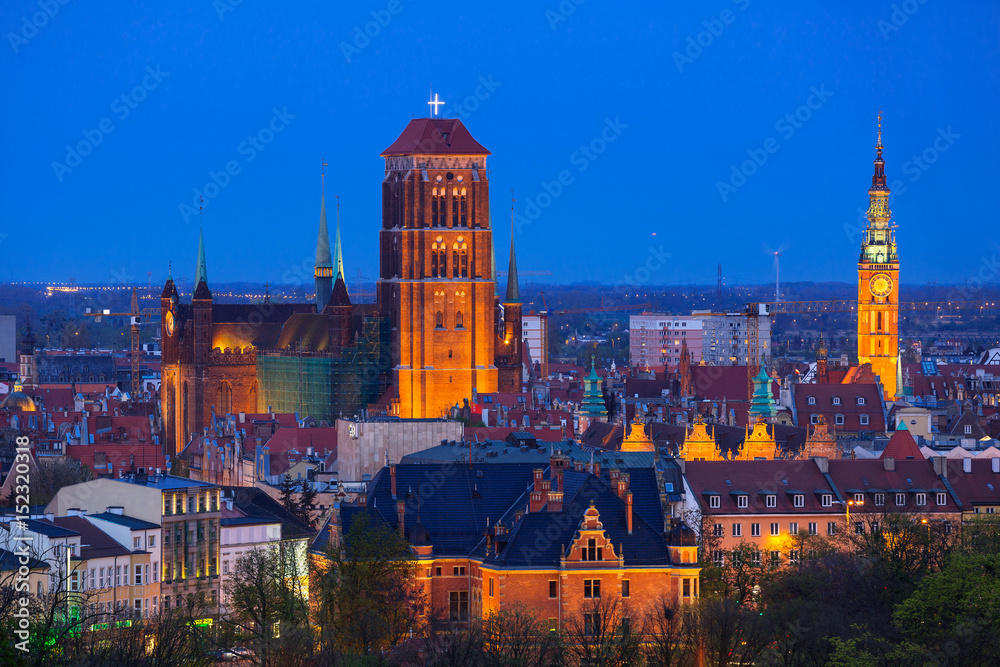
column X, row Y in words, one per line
column 339, row 255
column 323, row 259
column 201, row 273
column 513, row 291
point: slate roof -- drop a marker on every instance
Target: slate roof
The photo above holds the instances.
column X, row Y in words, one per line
column 49, row 529
column 305, row 331
column 524, row 548
column 435, row 136
column 124, row 520
column 10, row 562
column 457, row 502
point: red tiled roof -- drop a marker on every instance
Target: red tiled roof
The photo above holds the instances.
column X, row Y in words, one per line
column 320, row 438
column 907, row 476
column 901, row 445
column 972, row 487
column 824, row 395
column 729, row 479
column 435, row 136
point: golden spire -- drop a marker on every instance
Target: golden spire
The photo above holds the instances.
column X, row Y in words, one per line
column 879, row 144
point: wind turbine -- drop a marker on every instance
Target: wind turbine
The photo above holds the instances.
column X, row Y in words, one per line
column 777, row 268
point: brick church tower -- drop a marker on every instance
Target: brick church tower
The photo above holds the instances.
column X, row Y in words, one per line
column 435, row 285
column 878, row 283
column 509, row 344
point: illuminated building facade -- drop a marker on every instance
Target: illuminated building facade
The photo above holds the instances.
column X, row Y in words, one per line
column 435, row 286
column 878, row 284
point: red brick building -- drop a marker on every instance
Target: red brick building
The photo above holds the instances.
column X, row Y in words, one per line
column 491, row 536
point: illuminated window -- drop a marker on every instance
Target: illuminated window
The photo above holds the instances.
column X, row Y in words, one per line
column 454, row 207
column 464, row 215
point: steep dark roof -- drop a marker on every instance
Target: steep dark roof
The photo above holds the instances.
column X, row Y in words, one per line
column 645, row 546
column 9, row 562
column 128, row 521
column 435, row 136
column 256, row 503
column 202, row 292
column 339, row 296
column 95, row 543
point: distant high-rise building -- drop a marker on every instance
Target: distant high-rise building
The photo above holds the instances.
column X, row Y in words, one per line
column 655, row 340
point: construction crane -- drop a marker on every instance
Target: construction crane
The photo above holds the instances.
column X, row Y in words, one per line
column 756, row 310
column 137, row 318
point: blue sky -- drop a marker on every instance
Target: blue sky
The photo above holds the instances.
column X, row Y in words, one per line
column 644, row 113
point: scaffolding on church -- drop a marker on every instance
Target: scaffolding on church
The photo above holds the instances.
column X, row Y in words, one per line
column 324, row 385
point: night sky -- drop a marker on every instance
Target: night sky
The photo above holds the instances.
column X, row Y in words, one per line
column 644, row 113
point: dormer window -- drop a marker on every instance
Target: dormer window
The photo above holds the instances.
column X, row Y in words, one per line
column 771, row 500
column 861, row 400
column 742, row 501
column 827, row 500
column 836, row 400
column 714, row 502
column 812, row 400
column 798, row 500
column 968, row 429
column 838, row 420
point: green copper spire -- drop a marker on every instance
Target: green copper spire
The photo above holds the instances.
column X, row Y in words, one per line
column 323, row 241
column 201, row 273
column 762, row 403
column 339, row 273
column 592, row 404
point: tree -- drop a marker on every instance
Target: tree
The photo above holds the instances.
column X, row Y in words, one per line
column 265, row 607
column 953, row 613
column 666, row 630
column 602, row 633
column 367, row 598
column 287, row 490
column 307, row 504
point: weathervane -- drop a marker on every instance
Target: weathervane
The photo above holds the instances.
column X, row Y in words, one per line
column 434, row 104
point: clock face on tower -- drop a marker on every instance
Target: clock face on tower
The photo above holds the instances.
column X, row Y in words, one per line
column 880, row 285
column 170, row 323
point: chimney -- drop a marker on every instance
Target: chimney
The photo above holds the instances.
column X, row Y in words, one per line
column 401, row 517
column 75, row 511
column 555, row 501
column 363, row 499
column 996, row 464
column 597, row 469
column 613, row 475
column 116, row 509
column 940, row 465
column 966, row 465
column 559, row 478
column 392, row 478
column 889, row 464
column 628, row 511
column 537, row 483
column 823, row 463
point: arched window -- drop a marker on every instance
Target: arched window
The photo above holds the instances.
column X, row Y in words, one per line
column 434, row 259
column 454, row 207
column 463, row 257
column 437, row 207
column 439, row 320
column 225, row 398
column 459, row 322
column 464, row 209
column 879, row 327
column 454, row 260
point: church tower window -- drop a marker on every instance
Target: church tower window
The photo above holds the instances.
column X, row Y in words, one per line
column 439, row 320
column 454, row 260
column 454, row 207
column 464, row 209
column 459, row 322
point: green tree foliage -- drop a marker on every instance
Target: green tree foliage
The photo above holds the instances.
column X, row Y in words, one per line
column 367, row 600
